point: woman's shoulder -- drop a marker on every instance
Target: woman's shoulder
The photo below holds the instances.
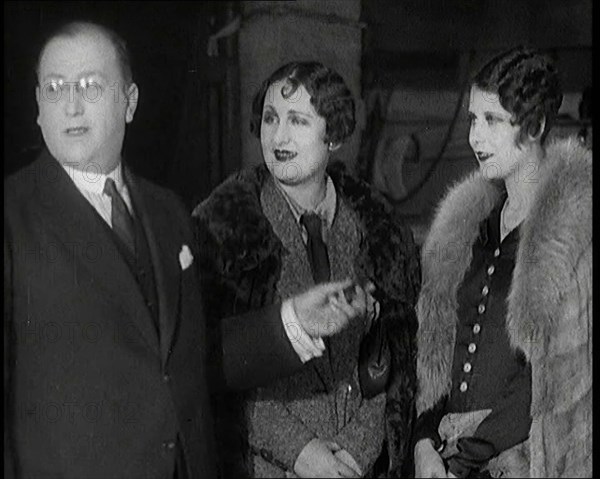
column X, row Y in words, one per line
column 240, row 191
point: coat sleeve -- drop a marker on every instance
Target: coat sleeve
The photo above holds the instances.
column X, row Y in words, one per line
column 279, row 436
column 363, row 436
column 248, row 349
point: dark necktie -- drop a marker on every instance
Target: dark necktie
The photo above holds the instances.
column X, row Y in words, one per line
column 316, row 248
column 122, row 222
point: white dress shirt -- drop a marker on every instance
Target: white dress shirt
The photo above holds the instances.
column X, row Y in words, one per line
column 90, row 182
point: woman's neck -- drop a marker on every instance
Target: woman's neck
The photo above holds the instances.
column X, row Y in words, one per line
column 521, row 187
column 308, row 194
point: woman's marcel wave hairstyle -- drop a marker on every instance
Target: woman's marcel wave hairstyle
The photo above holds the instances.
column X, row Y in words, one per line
column 330, row 97
column 527, row 83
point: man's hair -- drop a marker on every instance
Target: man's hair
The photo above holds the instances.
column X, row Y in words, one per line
column 75, row 28
column 330, row 97
column 527, row 84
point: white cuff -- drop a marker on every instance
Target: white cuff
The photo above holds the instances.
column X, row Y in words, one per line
column 306, row 347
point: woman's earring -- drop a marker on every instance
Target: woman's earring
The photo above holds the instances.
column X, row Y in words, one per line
column 330, row 146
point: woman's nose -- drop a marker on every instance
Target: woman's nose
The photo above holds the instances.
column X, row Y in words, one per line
column 282, row 134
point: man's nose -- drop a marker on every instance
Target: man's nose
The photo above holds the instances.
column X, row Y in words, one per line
column 73, row 101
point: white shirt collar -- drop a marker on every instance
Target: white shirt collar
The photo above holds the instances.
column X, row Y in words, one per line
column 325, row 209
column 92, row 180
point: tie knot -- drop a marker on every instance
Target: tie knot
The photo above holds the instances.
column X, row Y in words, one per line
column 312, row 223
column 110, row 188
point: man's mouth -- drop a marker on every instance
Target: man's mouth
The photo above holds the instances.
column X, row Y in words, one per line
column 284, row 155
column 481, row 156
column 77, row 131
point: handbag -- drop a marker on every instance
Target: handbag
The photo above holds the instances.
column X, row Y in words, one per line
column 374, row 360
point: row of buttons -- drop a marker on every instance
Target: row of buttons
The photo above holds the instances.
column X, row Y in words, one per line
column 467, row 367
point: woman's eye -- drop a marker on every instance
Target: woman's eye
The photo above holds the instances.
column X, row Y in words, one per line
column 299, row 121
column 268, row 119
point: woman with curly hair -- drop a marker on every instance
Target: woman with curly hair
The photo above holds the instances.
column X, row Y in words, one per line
column 271, row 231
column 504, row 344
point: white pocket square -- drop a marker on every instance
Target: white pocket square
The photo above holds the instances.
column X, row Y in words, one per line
column 185, row 257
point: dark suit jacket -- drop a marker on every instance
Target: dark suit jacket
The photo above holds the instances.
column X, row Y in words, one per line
column 92, row 391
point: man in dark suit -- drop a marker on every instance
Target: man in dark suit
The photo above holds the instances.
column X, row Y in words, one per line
column 107, row 356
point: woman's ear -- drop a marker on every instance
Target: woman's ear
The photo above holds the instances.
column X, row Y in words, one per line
column 537, row 135
column 331, row 146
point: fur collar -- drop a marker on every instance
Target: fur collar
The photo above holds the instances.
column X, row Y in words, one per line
column 553, row 239
column 246, row 239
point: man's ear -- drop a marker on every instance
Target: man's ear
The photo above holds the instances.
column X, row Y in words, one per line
column 131, row 97
column 38, row 99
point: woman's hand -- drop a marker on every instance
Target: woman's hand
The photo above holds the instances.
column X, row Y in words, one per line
column 347, row 459
column 428, row 463
column 318, row 459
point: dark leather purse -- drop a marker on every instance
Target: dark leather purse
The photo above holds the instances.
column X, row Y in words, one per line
column 374, row 360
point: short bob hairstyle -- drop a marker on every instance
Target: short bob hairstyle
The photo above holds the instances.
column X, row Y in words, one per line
column 330, row 97
column 527, row 84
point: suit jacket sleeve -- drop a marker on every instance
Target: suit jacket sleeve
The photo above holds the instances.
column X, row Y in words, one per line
column 9, row 465
column 255, row 349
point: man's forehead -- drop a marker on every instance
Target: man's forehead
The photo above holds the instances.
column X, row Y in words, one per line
column 71, row 55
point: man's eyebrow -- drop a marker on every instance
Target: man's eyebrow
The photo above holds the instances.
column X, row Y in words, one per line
column 83, row 74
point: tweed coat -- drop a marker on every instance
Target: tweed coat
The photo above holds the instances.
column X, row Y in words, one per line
column 243, row 255
column 549, row 311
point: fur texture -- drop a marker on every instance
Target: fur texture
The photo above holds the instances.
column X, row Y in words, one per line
column 241, row 256
column 549, row 314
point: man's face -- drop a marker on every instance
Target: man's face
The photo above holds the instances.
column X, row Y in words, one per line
column 83, row 102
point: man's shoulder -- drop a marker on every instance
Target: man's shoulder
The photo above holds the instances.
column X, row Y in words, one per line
column 22, row 182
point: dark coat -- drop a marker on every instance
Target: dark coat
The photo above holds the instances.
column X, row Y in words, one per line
column 92, row 391
column 242, row 258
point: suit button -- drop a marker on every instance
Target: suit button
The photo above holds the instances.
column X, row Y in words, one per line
column 169, row 445
column 485, row 290
column 490, row 270
column 463, row 387
column 496, row 252
column 166, row 378
column 467, row 367
column 476, row 328
column 472, row 348
column 481, row 308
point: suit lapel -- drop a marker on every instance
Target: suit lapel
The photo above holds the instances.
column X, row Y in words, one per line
column 88, row 239
column 164, row 250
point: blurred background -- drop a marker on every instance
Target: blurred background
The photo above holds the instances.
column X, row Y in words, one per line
column 198, row 65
